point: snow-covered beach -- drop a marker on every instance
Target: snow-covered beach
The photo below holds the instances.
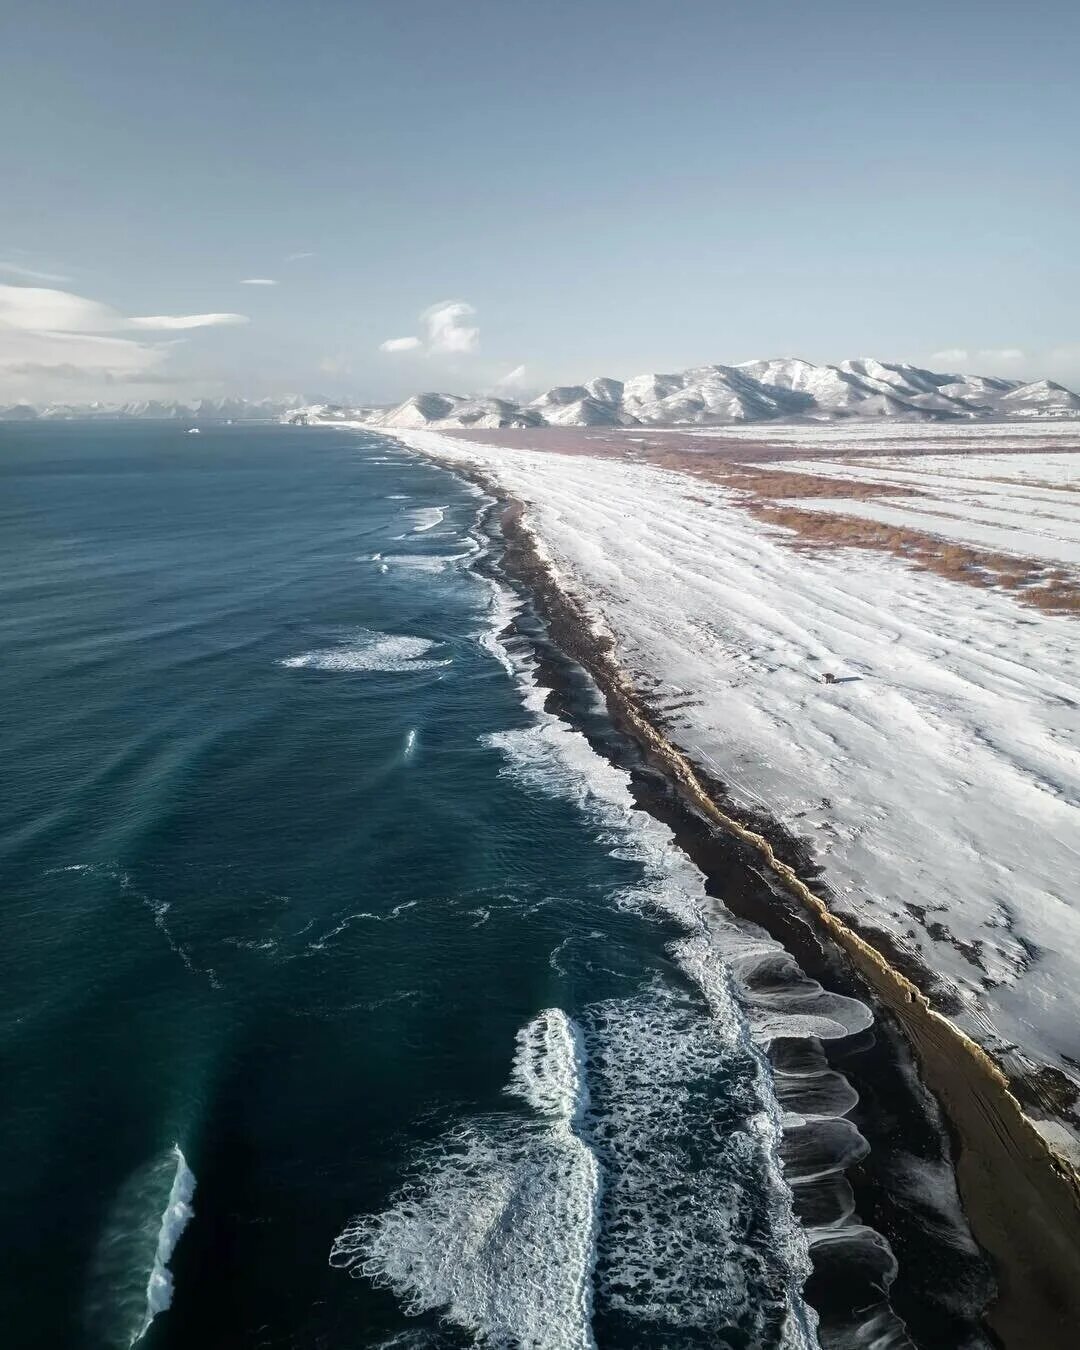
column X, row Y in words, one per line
column 936, row 782
column 930, row 792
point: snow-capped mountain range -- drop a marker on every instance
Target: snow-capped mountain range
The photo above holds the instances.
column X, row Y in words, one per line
column 754, row 391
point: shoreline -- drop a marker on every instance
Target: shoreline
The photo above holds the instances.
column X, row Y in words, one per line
column 1020, row 1199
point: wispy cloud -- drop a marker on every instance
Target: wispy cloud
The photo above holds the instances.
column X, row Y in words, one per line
column 297, row 257
column 258, row 281
column 513, row 379
column 985, row 356
column 168, row 322
column 405, row 344
column 30, row 273
column 1006, row 354
column 48, row 334
column 446, row 331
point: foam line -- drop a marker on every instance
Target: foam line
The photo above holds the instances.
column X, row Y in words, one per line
column 498, row 1229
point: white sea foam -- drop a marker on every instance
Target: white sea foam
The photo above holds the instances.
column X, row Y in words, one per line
column 427, row 517
column 178, row 1213
column 369, row 651
column 549, row 1067
column 696, row 1225
column 422, row 562
column 320, row 943
column 130, row 1281
column 499, row 1229
column 502, row 608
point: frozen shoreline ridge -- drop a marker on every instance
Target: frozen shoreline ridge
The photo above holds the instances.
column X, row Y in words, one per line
column 937, row 783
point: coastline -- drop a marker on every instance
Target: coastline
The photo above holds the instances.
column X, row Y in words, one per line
column 1021, row 1200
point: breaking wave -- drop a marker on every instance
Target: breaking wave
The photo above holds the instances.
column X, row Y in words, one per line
column 178, row 1211
column 131, row 1282
column 427, row 517
column 498, row 1228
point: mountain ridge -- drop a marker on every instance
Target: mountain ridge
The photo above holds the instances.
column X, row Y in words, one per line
column 753, row 391
column 771, row 389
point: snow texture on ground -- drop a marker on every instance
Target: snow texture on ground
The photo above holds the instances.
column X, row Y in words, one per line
column 948, row 437
column 937, row 782
column 1022, row 504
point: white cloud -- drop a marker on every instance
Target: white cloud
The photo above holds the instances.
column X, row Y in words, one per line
column 296, row 257
column 34, row 308
column 513, row 379
column 163, row 322
column 445, row 330
column 30, row 273
column 987, row 355
column 49, row 336
column 258, row 281
column 999, row 354
column 404, row 344
column 91, row 357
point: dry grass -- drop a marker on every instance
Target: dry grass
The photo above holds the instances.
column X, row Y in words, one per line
column 723, row 461
column 1050, row 589
column 777, row 484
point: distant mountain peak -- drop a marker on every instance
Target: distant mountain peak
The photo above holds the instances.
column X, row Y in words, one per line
column 769, row 389
column 762, row 390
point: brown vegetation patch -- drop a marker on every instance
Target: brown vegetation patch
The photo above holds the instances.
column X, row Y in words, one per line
column 779, row 483
column 1048, row 588
column 736, row 464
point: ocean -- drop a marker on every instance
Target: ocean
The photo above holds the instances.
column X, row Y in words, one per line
column 348, row 997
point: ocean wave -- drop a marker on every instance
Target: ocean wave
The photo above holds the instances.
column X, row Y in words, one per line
column 498, row 1228
column 502, row 608
column 131, row 1282
column 420, row 562
column 177, row 1215
column 369, row 651
column 425, row 518
column 696, row 1229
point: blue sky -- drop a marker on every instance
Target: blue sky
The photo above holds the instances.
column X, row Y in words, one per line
column 576, row 189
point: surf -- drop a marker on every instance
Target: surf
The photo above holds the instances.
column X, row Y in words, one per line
column 496, row 1228
column 131, row 1277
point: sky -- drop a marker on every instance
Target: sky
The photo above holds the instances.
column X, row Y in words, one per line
column 365, row 198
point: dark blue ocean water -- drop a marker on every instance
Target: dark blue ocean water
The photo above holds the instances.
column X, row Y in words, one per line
column 338, row 1003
